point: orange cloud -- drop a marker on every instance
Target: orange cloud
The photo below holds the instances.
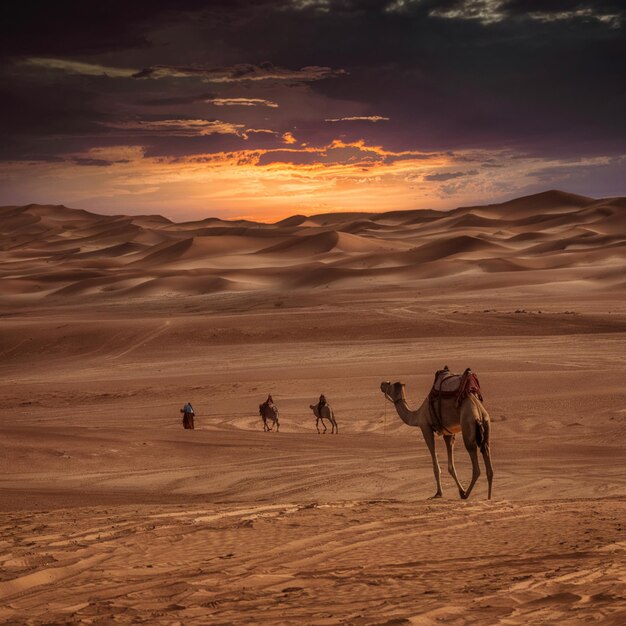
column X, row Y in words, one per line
column 288, row 138
column 339, row 176
column 240, row 73
column 246, row 102
column 182, row 128
column 360, row 118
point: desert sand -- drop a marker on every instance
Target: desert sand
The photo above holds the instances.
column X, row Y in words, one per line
column 110, row 512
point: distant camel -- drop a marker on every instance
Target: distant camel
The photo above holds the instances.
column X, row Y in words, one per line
column 324, row 413
column 269, row 413
column 470, row 418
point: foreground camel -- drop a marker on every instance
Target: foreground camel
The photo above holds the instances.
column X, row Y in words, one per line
column 470, row 418
column 269, row 413
column 325, row 413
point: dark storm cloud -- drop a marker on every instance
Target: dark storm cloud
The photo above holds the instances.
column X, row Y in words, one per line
column 176, row 100
column 97, row 162
column 542, row 77
column 358, row 118
column 71, row 27
column 209, row 98
column 458, row 82
column 177, row 128
column 449, row 175
column 294, row 158
column 240, row 73
column 489, row 12
column 38, row 122
column 180, row 147
column 603, row 10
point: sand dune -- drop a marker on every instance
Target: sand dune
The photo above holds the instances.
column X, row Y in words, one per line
column 548, row 202
column 295, row 220
column 470, row 220
column 116, row 250
column 329, row 241
column 178, row 284
column 454, row 246
column 361, row 226
column 552, row 230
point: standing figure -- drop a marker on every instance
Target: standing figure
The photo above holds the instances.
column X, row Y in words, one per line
column 321, row 402
column 188, row 415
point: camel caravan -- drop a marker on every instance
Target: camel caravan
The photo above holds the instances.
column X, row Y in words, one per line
column 322, row 411
column 453, row 405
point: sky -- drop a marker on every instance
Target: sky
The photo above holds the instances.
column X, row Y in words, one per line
column 268, row 108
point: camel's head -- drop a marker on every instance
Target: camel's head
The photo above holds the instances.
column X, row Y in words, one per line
column 392, row 391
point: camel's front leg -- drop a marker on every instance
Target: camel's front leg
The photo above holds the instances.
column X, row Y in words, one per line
column 317, row 425
column 429, row 437
column 449, row 439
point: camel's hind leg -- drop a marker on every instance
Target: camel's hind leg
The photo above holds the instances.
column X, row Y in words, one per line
column 333, row 423
column 476, row 433
column 468, row 428
column 488, row 467
column 485, row 449
column 449, row 439
column 429, row 437
column 473, row 452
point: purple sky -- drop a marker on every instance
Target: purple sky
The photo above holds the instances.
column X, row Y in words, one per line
column 268, row 108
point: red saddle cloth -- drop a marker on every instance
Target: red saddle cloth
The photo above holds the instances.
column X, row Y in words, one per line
column 458, row 386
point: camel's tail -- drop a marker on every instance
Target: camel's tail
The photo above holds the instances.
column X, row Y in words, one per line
column 482, row 435
column 483, row 428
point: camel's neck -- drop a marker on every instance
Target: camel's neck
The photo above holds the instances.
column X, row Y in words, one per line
column 411, row 418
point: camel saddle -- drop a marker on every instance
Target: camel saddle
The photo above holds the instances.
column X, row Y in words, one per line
column 449, row 385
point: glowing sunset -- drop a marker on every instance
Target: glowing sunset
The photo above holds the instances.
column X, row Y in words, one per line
column 267, row 109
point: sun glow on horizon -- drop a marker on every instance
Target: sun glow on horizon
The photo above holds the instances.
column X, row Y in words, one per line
column 271, row 184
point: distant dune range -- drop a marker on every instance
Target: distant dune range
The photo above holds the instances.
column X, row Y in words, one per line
column 552, row 237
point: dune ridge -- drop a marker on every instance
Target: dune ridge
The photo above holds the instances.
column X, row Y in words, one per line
column 551, row 237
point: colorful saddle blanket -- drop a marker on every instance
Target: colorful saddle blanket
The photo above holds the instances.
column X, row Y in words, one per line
column 458, row 386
